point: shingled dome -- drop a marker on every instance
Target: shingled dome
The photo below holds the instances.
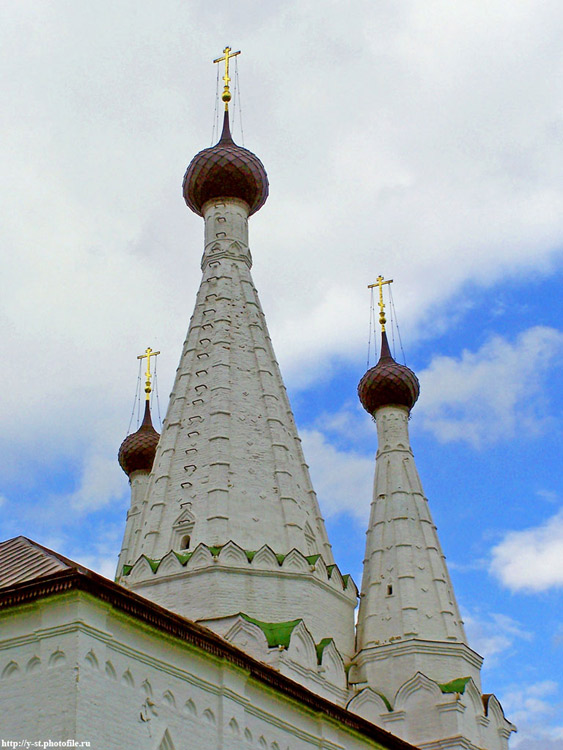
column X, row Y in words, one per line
column 137, row 451
column 388, row 383
column 225, row 171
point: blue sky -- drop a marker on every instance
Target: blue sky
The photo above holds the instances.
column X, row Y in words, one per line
column 422, row 141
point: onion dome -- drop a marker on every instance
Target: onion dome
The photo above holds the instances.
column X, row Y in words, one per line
column 137, row 451
column 388, row 383
column 225, row 171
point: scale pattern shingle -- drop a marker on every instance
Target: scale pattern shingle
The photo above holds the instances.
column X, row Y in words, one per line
column 225, row 171
column 388, row 383
column 137, row 451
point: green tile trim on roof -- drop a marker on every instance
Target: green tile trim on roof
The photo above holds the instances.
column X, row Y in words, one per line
column 153, row 563
column 455, row 686
column 183, row 558
column 321, row 647
column 250, row 554
column 277, row 633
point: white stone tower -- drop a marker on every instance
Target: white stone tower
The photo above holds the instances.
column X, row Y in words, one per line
column 227, row 528
column 412, row 652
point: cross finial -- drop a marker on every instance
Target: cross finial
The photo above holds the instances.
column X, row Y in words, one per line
column 147, row 355
column 227, row 54
column 380, row 282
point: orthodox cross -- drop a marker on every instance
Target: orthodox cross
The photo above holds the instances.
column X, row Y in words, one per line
column 380, row 283
column 147, row 355
column 227, row 54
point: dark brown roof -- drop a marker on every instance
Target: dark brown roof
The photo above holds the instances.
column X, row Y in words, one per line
column 388, row 383
column 19, row 588
column 225, row 171
column 137, row 451
column 23, row 560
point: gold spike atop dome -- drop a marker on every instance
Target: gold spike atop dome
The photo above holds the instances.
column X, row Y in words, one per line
column 380, row 282
column 227, row 54
column 147, row 355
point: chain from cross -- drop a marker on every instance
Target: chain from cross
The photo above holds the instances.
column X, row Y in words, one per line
column 147, row 355
column 380, row 283
column 227, row 54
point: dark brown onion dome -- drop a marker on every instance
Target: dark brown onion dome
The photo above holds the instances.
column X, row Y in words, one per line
column 137, row 451
column 388, row 383
column 225, row 171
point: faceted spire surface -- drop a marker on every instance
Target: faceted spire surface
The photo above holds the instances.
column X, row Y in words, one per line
column 406, row 593
column 229, row 453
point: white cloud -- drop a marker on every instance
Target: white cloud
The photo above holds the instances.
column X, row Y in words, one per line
column 533, row 708
column 483, row 397
column 101, row 481
column 548, row 495
column 343, row 480
column 493, row 635
column 530, row 560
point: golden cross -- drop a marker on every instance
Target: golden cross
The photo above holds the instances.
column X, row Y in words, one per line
column 380, row 282
column 227, row 54
column 147, row 355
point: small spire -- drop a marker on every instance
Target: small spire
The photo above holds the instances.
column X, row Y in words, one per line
column 147, row 421
column 147, row 355
column 385, row 350
column 380, row 283
column 226, row 132
column 226, row 95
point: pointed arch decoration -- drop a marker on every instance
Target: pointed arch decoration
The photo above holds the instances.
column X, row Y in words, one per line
column 166, row 742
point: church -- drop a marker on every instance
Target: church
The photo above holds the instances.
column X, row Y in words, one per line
column 230, row 624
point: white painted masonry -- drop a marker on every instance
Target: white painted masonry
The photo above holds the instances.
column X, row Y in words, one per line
column 229, row 473
column 229, row 457
column 406, row 589
column 410, row 638
column 73, row 667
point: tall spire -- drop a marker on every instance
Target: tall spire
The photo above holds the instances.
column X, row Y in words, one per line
column 230, row 520
column 410, row 641
column 406, row 589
